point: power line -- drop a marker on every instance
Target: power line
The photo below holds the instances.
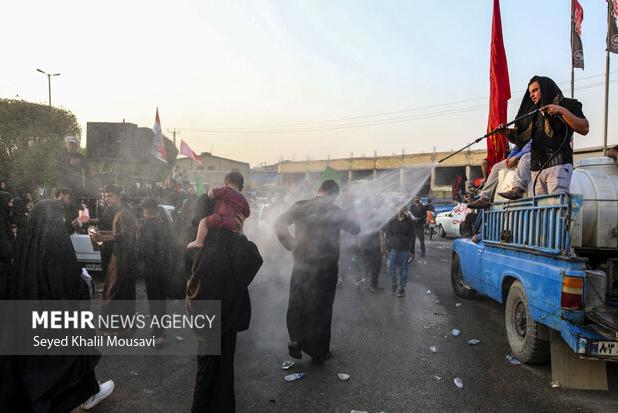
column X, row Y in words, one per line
column 348, row 125
column 363, row 120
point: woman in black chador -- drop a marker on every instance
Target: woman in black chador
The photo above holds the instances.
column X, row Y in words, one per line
column 47, row 269
column 222, row 271
column 6, row 243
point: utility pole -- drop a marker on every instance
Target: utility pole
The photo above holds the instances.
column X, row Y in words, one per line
column 606, row 111
column 174, row 132
column 49, row 76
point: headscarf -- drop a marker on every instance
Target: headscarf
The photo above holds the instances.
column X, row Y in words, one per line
column 47, row 267
column 550, row 94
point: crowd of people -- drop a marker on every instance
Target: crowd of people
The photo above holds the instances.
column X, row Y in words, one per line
column 38, row 262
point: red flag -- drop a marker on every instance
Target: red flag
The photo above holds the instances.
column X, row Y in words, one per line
column 188, row 152
column 499, row 92
column 157, row 140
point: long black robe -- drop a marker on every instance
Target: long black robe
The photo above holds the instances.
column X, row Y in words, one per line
column 223, row 270
column 315, row 246
column 153, row 251
column 6, row 244
column 105, row 224
column 47, row 269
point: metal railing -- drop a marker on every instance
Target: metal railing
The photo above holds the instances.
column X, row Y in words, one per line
column 541, row 223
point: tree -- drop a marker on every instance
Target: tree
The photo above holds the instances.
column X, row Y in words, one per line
column 31, row 141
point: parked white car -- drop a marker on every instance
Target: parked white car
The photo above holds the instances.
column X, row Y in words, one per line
column 448, row 222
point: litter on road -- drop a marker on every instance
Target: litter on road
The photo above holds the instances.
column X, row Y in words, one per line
column 343, row 376
column 438, row 378
column 433, row 349
column 458, row 305
column 294, row 377
column 428, row 291
column 455, row 332
column 473, row 341
column 458, row 382
column 513, row 360
column 287, row 365
column 179, row 338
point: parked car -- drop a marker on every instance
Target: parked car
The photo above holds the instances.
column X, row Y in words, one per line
column 88, row 252
column 448, row 222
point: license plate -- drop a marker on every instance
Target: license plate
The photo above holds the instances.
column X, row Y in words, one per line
column 607, row 348
column 93, row 267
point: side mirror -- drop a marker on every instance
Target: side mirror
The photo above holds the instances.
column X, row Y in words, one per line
column 465, row 229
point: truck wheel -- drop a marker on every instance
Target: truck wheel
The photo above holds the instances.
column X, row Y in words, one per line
column 459, row 286
column 441, row 231
column 522, row 331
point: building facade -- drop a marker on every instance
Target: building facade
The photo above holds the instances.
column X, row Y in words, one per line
column 465, row 164
column 212, row 170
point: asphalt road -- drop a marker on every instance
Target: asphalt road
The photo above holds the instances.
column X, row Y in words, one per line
column 382, row 342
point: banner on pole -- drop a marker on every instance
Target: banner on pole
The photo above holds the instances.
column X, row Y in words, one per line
column 577, row 48
column 612, row 30
column 157, row 140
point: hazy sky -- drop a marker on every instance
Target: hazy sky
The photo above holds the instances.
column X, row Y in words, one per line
column 258, row 79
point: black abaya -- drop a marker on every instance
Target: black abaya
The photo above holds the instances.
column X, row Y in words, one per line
column 223, row 270
column 47, row 269
column 315, row 246
column 6, row 245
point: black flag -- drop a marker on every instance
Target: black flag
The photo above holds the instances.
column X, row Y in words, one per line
column 612, row 30
column 577, row 49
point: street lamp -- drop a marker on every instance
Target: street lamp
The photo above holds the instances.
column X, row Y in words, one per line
column 49, row 76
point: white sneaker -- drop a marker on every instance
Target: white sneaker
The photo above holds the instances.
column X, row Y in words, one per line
column 105, row 389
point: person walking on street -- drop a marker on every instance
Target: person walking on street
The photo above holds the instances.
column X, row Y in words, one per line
column 398, row 234
column 119, row 289
column 315, row 246
column 419, row 214
column 153, row 251
column 370, row 246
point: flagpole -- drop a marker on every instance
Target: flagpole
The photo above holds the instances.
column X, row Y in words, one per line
column 572, row 67
column 605, row 121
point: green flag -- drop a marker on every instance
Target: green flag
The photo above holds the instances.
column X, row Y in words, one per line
column 329, row 173
column 199, row 186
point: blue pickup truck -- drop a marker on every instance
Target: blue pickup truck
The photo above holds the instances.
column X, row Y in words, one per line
column 523, row 257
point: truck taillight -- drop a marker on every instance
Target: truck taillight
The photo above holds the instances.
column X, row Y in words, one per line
column 572, row 293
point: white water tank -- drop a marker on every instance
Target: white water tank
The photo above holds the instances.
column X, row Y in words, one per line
column 596, row 225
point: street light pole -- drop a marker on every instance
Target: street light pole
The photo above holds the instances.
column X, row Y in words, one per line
column 49, row 76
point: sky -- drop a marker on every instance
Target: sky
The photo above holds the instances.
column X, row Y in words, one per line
column 260, row 81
